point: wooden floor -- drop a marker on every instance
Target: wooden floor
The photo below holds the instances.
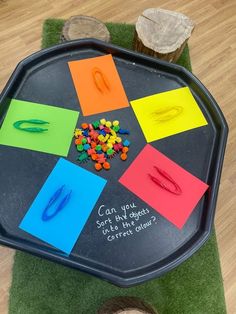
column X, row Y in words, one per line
column 212, row 47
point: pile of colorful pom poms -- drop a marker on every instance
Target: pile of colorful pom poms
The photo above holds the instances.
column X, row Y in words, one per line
column 100, row 141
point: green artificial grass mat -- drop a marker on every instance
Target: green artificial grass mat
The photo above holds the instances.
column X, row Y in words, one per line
column 43, row 287
column 121, row 35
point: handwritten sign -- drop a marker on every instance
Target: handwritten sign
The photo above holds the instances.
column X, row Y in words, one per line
column 124, row 221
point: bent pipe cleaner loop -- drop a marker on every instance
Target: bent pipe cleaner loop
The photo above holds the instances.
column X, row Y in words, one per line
column 177, row 190
column 18, row 125
column 168, row 113
column 52, row 200
column 100, row 80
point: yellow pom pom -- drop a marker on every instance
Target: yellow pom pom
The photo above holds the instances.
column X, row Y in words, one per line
column 108, row 124
column 118, row 139
column 109, row 145
column 101, row 138
column 116, row 122
column 103, row 121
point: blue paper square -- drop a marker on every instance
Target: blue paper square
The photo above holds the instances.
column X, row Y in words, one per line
column 63, row 230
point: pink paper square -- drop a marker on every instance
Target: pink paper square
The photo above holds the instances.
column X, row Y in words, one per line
column 175, row 208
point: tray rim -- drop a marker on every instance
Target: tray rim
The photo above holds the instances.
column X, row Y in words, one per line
column 125, row 281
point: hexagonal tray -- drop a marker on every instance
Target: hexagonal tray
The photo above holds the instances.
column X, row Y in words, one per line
column 152, row 250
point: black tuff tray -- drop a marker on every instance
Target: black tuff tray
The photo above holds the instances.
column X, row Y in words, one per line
column 44, row 77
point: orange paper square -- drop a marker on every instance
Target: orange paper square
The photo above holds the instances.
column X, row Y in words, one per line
column 98, row 85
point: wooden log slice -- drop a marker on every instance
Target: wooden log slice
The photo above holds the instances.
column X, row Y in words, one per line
column 126, row 305
column 162, row 33
column 82, row 26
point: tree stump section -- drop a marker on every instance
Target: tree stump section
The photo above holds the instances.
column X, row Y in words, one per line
column 126, row 305
column 82, row 26
column 162, row 33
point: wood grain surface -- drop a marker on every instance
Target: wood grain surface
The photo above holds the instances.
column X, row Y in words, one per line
column 82, row 26
column 162, row 33
column 212, row 49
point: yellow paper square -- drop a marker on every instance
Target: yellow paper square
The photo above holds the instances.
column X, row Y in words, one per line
column 168, row 113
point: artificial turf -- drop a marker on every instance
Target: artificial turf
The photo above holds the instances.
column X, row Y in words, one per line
column 43, row 287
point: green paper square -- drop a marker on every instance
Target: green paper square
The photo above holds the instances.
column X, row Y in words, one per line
column 56, row 140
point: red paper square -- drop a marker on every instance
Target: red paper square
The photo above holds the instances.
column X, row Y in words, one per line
column 175, row 208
